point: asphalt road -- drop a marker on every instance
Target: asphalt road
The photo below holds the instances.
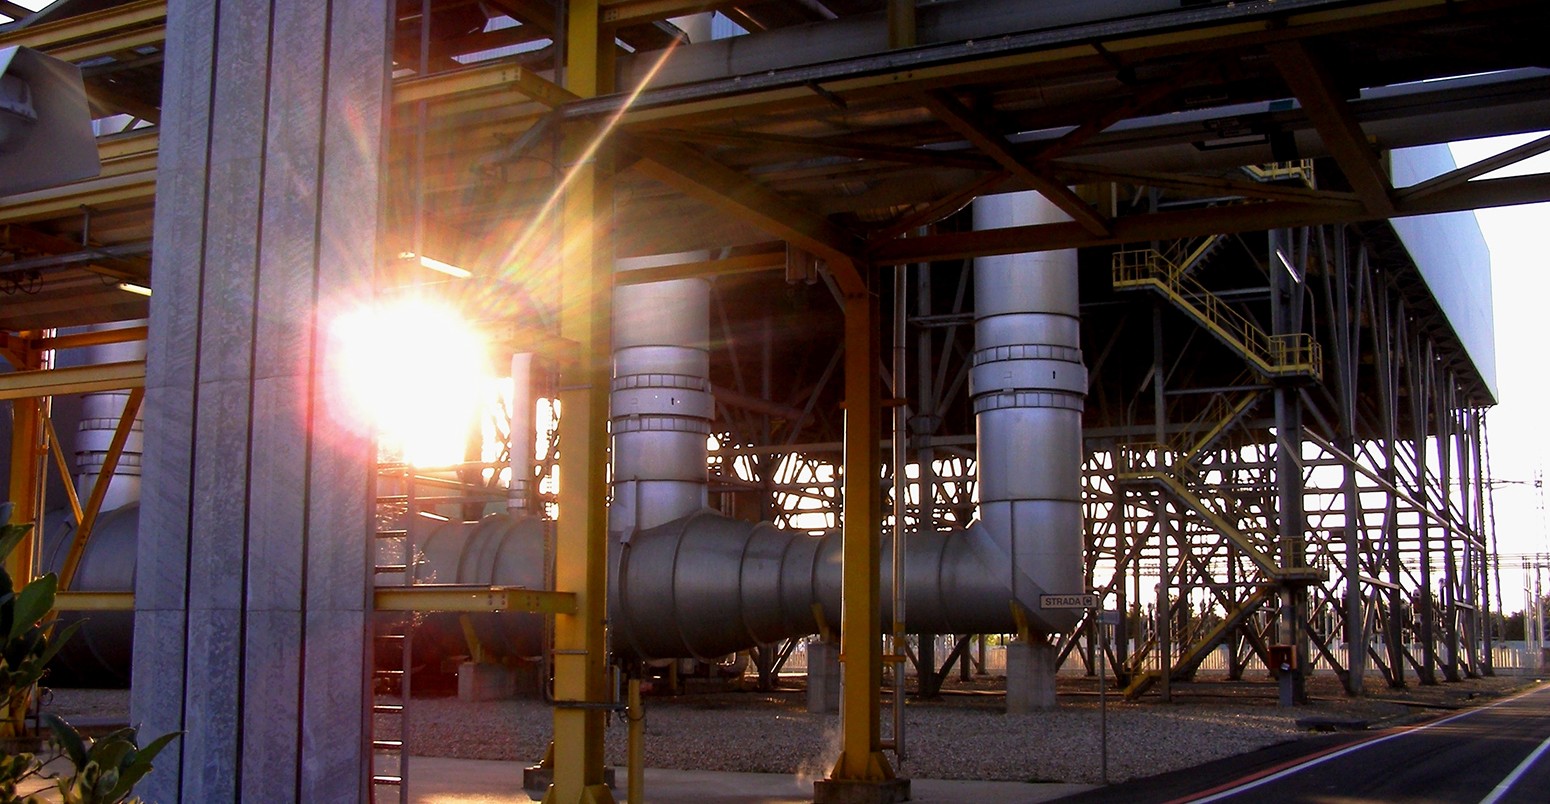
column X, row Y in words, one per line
column 1496, row 754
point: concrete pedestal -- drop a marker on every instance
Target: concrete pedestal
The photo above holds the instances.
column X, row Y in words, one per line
column 844, row 791
column 823, row 677
column 1030, row 678
column 537, row 778
column 485, row 682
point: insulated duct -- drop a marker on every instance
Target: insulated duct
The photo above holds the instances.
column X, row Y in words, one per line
column 99, row 653
column 687, row 581
column 498, row 550
column 100, row 414
column 704, row 585
column 660, row 407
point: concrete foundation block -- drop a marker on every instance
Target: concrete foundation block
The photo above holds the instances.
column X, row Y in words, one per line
column 847, row 791
column 823, row 677
column 1030, row 678
column 537, row 778
column 485, row 682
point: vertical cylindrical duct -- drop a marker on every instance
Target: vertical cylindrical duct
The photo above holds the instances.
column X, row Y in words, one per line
column 1028, row 384
column 661, row 407
column 100, row 413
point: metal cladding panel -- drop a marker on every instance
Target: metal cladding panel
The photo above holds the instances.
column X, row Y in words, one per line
column 99, row 654
column 1453, row 258
column 1030, row 454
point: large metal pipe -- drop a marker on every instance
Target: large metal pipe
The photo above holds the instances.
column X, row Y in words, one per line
column 1028, row 384
column 100, row 413
column 687, row 581
column 99, row 653
column 707, row 585
column 660, row 408
column 704, row 585
column 498, row 550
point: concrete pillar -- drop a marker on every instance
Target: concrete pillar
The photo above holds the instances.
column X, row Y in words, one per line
column 1030, row 677
column 254, row 572
column 823, row 677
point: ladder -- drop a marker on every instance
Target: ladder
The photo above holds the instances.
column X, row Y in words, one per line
column 392, row 640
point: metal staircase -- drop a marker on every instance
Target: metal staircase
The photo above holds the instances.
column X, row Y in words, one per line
column 1289, row 355
column 1221, row 413
column 1167, row 272
column 1299, row 170
column 1245, row 543
column 1199, row 648
column 1187, row 255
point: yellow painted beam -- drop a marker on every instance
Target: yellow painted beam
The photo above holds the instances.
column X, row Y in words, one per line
column 74, row 380
column 99, row 489
column 65, row 470
column 94, row 338
column 724, row 188
column 45, row 36
column 861, row 650
column 580, row 658
column 120, row 42
column 765, row 257
column 70, row 198
column 27, row 429
column 994, row 144
column 1190, row 40
column 495, row 79
column 616, row 13
column 447, row 597
column 94, row 601
column 1313, row 84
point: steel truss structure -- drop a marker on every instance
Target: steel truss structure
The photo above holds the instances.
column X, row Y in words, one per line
column 1285, row 439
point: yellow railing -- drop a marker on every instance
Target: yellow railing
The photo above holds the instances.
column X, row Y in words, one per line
column 1220, row 413
column 1299, row 169
column 1275, row 355
column 1186, row 254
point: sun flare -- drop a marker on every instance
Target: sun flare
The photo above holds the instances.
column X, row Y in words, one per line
column 417, row 373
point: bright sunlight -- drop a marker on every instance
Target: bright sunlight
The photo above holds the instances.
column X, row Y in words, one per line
column 417, row 373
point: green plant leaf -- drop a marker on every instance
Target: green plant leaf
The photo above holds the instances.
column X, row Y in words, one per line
column 10, row 536
column 140, row 765
column 110, row 753
column 59, row 641
column 33, row 603
column 68, row 739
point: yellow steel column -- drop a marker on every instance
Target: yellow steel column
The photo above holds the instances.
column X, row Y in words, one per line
column 586, row 267
column 861, row 762
column 27, row 450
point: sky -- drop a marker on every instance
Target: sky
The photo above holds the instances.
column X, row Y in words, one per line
column 1517, row 432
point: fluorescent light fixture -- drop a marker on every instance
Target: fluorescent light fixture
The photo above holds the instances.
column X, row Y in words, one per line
column 436, row 265
column 131, row 287
column 1296, row 275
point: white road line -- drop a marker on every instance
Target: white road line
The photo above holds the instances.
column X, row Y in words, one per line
column 1281, row 774
column 1512, row 778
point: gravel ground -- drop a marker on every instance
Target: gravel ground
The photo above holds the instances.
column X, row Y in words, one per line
column 963, row 736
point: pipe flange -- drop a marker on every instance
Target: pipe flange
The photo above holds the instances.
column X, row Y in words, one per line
column 1002, row 400
column 1004, row 376
column 660, row 380
column 659, row 424
column 1028, row 351
column 655, row 401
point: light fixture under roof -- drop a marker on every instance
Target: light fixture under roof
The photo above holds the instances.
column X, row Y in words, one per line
column 132, row 287
column 436, row 265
